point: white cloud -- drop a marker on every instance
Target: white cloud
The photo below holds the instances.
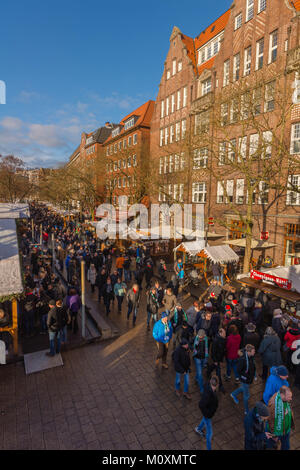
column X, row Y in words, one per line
column 11, row 123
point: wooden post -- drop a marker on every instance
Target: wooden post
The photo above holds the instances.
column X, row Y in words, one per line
column 53, row 260
column 41, row 234
column 32, row 230
column 82, row 299
column 15, row 325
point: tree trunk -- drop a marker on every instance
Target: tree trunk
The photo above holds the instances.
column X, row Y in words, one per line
column 249, row 230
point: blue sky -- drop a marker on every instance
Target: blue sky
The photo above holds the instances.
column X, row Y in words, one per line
column 70, row 66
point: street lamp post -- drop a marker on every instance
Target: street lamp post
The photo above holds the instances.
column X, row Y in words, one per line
column 83, row 299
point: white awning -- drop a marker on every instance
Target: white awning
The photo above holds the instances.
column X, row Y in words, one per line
column 255, row 244
column 10, row 271
column 192, row 248
column 221, row 254
column 14, row 211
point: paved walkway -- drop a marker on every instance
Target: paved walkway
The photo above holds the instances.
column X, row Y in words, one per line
column 109, row 396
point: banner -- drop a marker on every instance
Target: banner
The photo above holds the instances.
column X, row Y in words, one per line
column 279, row 281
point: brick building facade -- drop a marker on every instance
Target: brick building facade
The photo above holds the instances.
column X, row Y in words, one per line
column 126, row 156
column 238, row 75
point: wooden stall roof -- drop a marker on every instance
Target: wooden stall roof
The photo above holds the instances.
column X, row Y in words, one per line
column 269, row 289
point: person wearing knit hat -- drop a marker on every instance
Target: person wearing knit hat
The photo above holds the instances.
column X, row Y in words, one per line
column 277, row 379
column 256, row 437
column 162, row 333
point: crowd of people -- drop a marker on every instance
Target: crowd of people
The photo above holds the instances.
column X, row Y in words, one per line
column 228, row 327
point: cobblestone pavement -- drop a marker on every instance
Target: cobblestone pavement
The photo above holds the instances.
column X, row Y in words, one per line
column 109, row 396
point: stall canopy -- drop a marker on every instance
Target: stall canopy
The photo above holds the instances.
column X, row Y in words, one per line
column 192, row 248
column 10, row 272
column 217, row 254
column 14, row 211
column 255, row 244
column 221, row 254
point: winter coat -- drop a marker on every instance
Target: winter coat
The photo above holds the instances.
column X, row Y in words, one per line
column 91, row 276
column 292, row 335
column 270, row 351
column 120, row 289
column 159, row 333
column 273, row 385
column 238, row 323
column 209, row 402
column 233, row 343
column 73, row 302
column 182, row 361
column 251, row 338
column 169, row 302
column 277, row 326
column 192, row 315
column 133, row 297
column 254, row 431
column 200, row 349
column 246, row 368
column 218, row 349
column 152, row 303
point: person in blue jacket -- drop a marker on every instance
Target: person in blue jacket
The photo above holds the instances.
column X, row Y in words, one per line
column 277, row 378
column 162, row 333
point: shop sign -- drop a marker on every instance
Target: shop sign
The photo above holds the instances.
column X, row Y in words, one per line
column 279, row 281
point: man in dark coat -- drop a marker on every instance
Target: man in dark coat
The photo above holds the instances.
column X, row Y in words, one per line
column 208, row 406
column 182, row 364
column 255, row 422
column 218, row 350
column 246, row 371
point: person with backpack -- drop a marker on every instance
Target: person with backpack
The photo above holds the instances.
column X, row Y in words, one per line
column 152, row 306
column 246, row 370
column 208, row 405
column 200, row 355
column 218, row 350
column 182, row 363
column 177, row 320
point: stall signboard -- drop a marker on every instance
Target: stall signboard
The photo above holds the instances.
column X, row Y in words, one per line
column 279, row 281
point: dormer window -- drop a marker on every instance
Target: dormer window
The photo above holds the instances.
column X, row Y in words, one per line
column 129, row 124
column 115, row 132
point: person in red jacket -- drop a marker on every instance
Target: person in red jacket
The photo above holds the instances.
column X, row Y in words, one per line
column 233, row 343
column 292, row 335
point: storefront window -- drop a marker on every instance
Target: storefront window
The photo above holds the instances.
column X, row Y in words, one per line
column 292, row 244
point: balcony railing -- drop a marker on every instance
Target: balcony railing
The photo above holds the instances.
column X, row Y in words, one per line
column 293, row 59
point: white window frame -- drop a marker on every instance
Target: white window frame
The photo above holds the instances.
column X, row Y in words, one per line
column 166, row 136
column 178, row 99
column 263, row 189
column 171, row 164
column 183, row 128
column 161, row 165
column 171, row 134
column 236, row 67
column 173, row 103
column 222, row 153
column 184, row 101
column 134, row 139
column 260, row 46
column 267, row 144
column 238, row 21
column 226, row 72
column 239, row 192
column 220, row 192
column 242, row 152
column 273, row 46
column 134, row 160
column 247, row 61
column 295, row 139
column 179, row 66
column 253, row 145
column 262, row 5
column 174, row 64
column 293, row 197
column 161, row 137
column 167, row 105
column 162, row 109
column 229, row 191
column 206, row 86
column 199, row 192
column 129, row 124
column 177, row 131
column 249, row 10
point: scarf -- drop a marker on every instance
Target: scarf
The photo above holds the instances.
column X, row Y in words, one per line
column 176, row 315
column 283, row 417
column 197, row 341
column 154, row 298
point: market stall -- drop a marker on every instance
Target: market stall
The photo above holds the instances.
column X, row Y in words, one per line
column 202, row 257
column 260, row 245
column 11, row 285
